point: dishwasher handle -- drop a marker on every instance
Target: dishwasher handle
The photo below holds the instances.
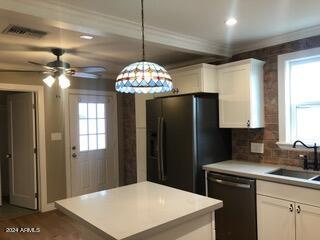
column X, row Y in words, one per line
column 228, row 183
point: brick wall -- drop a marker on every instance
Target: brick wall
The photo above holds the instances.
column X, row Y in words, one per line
column 270, row 134
column 127, row 139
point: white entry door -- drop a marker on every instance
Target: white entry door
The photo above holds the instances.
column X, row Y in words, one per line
column 91, row 142
column 22, row 150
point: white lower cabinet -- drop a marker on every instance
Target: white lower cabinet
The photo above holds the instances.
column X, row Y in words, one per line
column 276, row 219
column 307, row 222
column 285, row 212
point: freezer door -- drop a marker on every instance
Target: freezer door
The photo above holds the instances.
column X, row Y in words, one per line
column 178, row 139
column 154, row 114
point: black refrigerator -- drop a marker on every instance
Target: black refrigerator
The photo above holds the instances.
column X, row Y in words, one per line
column 182, row 135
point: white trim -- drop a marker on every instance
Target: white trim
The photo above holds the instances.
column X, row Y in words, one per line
column 41, row 137
column 279, row 39
column 65, row 96
column 283, row 95
column 74, row 18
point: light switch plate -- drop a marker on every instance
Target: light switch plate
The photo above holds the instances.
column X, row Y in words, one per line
column 257, row 147
column 57, row 136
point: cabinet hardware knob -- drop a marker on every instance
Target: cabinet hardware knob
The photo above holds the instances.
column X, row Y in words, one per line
column 291, row 208
column 175, row 90
column 298, row 209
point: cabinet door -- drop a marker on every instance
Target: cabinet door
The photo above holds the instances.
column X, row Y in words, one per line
column 189, row 82
column 234, row 96
column 308, row 222
column 276, row 219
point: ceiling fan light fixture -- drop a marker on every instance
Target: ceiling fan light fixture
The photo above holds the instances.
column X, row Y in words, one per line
column 86, row 37
column 64, row 82
column 49, row 81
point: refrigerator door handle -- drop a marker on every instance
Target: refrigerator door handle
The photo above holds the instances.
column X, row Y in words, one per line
column 159, row 143
column 163, row 176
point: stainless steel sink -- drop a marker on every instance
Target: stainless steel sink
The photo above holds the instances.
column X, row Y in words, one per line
column 295, row 174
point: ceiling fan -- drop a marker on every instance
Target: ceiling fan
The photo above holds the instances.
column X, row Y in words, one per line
column 58, row 68
column 61, row 69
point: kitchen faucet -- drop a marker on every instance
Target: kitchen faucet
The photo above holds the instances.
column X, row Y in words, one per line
column 315, row 148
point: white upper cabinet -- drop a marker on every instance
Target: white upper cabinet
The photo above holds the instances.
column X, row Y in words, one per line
column 241, row 102
column 193, row 79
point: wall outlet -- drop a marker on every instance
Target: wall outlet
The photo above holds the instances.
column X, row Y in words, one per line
column 257, row 147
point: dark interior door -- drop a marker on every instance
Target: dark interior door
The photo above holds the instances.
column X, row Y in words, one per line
column 178, row 115
column 153, row 112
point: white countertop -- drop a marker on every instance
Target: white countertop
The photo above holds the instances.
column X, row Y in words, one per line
column 260, row 171
column 137, row 210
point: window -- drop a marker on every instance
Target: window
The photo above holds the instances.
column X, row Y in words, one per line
column 92, row 131
column 299, row 97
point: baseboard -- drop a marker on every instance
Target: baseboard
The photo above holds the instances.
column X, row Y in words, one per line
column 48, row 207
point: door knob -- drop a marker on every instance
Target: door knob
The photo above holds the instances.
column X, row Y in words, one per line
column 8, row 155
column 74, row 155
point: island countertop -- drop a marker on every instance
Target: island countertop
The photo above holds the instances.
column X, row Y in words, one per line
column 138, row 210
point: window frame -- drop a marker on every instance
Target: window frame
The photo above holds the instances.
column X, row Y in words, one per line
column 285, row 111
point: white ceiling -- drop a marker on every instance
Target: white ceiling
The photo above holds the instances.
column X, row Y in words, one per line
column 257, row 19
column 112, row 52
column 178, row 32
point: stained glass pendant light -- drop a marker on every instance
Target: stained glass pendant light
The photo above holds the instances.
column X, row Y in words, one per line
column 143, row 76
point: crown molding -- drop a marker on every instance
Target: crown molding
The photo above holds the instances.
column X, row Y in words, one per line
column 276, row 40
column 74, row 18
column 71, row 17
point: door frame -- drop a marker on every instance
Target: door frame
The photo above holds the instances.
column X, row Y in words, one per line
column 41, row 138
column 65, row 96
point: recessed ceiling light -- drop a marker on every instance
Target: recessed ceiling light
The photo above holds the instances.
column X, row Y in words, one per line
column 231, row 21
column 87, row 37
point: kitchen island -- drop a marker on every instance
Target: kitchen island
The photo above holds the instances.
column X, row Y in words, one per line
column 144, row 211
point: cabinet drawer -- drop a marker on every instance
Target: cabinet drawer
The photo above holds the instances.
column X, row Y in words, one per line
column 289, row 192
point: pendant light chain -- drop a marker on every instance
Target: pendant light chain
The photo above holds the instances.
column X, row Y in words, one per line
column 142, row 28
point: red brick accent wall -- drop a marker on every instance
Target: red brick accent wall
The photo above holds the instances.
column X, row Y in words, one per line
column 127, row 139
column 270, row 134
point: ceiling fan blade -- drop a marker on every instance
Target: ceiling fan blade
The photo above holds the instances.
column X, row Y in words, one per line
column 42, row 65
column 90, row 69
column 84, row 75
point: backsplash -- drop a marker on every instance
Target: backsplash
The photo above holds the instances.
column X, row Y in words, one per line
column 270, row 134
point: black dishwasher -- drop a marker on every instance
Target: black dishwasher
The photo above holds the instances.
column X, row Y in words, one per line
column 237, row 220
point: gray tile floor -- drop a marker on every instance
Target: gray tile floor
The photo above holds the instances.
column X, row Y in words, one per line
column 8, row 211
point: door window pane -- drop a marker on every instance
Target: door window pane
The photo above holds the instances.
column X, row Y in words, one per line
column 92, row 113
column 101, row 141
column 93, row 142
column 92, row 126
column 83, row 126
column 101, row 125
column 100, row 110
column 83, row 111
column 84, row 143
